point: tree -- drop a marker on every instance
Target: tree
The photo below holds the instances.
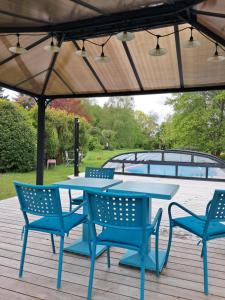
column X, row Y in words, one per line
column 25, row 101
column 125, row 102
column 72, row 106
column 148, row 124
column 17, row 139
column 198, row 122
column 59, row 128
column 108, row 138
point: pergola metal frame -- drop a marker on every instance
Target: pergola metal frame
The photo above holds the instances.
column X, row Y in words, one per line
column 172, row 13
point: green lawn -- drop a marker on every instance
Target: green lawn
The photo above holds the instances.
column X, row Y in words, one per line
column 93, row 158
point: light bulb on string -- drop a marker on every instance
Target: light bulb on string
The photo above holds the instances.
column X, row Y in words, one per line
column 158, row 51
column 125, row 36
column 191, row 43
column 102, row 58
column 52, row 48
column 82, row 52
column 18, row 49
column 216, row 58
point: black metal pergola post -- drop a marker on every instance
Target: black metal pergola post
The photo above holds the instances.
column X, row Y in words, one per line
column 40, row 141
column 76, row 146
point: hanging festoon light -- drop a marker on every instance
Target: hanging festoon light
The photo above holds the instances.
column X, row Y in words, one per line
column 125, row 36
column 82, row 52
column 157, row 51
column 216, row 57
column 52, row 48
column 18, row 49
column 191, row 43
column 102, row 58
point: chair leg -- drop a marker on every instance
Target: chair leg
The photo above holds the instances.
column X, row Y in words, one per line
column 142, row 291
column 60, row 262
column 202, row 252
column 23, row 252
column 91, row 276
column 108, row 257
column 53, row 243
column 169, row 244
column 157, row 254
column 22, row 232
column 70, row 198
column 205, row 266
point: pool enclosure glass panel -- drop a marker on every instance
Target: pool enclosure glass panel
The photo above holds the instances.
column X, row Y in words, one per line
column 162, row 170
column 185, row 171
column 177, row 157
column 169, row 163
column 217, row 173
column 149, row 156
column 203, row 159
column 137, row 169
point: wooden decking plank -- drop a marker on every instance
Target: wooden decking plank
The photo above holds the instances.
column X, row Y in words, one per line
column 11, row 295
column 78, row 270
column 32, row 290
column 183, row 277
column 48, row 249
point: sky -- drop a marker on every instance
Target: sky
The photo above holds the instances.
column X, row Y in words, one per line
column 149, row 103
column 145, row 103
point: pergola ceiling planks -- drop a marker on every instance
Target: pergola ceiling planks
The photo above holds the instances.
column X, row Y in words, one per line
column 131, row 71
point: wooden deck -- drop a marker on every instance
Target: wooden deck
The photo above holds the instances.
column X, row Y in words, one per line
column 182, row 279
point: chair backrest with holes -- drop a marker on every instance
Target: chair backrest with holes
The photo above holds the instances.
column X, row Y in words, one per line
column 104, row 173
column 117, row 209
column 39, row 200
column 217, row 207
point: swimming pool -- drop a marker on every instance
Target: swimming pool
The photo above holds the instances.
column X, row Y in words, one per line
column 169, row 163
column 168, row 170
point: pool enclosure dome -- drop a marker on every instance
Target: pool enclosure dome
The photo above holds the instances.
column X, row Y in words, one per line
column 184, row 164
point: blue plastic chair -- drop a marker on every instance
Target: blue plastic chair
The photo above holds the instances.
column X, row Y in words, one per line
column 207, row 227
column 44, row 201
column 106, row 173
column 123, row 218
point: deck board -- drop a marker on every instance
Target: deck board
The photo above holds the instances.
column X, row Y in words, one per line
column 182, row 279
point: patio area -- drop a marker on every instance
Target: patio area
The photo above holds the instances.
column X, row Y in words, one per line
column 181, row 279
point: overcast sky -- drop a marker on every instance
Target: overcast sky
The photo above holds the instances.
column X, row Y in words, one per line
column 145, row 103
column 149, row 103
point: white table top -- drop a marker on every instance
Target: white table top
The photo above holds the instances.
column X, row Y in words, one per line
column 151, row 189
column 84, row 183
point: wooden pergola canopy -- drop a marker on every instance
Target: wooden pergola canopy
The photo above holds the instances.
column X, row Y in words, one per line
column 131, row 69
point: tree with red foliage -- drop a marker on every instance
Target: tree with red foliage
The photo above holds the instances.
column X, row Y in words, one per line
column 73, row 106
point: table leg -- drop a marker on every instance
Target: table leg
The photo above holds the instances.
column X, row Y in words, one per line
column 81, row 246
column 133, row 259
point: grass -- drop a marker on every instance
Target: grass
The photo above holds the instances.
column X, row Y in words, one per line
column 60, row 172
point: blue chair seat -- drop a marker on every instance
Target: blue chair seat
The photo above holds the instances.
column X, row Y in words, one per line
column 124, row 237
column 196, row 226
column 77, row 200
column 52, row 223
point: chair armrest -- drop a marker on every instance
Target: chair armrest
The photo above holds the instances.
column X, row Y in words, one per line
column 182, row 208
column 157, row 219
column 75, row 209
column 208, row 207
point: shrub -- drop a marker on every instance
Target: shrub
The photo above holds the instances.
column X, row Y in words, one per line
column 59, row 127
column 17, row 139
column 94, row 143
column 222, row 156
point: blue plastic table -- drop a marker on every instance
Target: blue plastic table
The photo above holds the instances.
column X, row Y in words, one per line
column 152, row 190
column 82, row 183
